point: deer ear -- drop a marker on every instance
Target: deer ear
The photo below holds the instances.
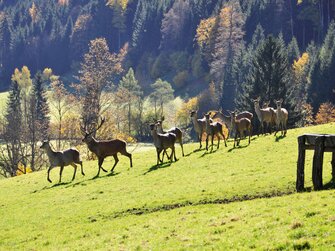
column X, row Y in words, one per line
column 281, row 100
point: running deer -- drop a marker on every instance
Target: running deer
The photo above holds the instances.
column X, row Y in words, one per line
column 64, row 158
column 105, row 148
column 163, row 142
column 213, row 128
column 282, row 117
column 241, row 125
column 264, row 115
column 199, row 125
column 175, row 130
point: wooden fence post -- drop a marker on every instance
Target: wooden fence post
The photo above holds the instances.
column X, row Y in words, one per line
column 317, row 162
column 301, row 164
column 333, row 167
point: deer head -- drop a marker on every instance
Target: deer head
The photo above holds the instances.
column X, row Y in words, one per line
column 88, row 135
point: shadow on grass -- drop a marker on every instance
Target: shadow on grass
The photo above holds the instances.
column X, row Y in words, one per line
column 156, row 167
column 208, row 152
column 278, row 138
column 237, row 147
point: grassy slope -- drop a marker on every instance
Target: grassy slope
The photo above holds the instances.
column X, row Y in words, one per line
column 129, row 209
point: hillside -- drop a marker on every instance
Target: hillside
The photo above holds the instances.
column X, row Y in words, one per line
column 203, row 201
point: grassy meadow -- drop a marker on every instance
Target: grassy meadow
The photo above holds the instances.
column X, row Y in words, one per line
column 242, row 198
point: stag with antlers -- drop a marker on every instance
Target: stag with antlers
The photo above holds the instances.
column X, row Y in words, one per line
column 105, row 148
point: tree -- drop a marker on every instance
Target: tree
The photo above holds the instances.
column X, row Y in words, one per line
column 323, row 71
column 228, row 41
column 10, row 153
column 131, row 93
column 161, row 94
column 293, row 51
column 173, row 24
column 97, row 72
column 62, row 101
column 269, row 73
column 326, row 113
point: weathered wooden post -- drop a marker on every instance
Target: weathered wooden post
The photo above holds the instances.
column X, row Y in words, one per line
column 333, row 167
column 301, row 164
column 317, row 162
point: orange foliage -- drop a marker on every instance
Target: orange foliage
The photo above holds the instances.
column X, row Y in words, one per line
column 326, row 113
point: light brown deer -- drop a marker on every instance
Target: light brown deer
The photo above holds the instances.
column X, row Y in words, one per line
column 105, row 148
column 175, row 130
column 266, row 105
column 264, row 115
column 282, row 117
column 213, row 128
column 64, row 158
column 227, row 119
column 240, row 125
column 163, row 142
column 199, row 125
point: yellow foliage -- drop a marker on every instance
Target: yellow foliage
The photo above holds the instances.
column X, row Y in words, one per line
column 204, row 31
column 21, row 169
column 183, row 114
column 122, row 3
column 22, row 78
column 299, row 65
column 33, row 11
column 326, row 113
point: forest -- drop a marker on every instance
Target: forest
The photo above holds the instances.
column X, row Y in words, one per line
column 128, row 59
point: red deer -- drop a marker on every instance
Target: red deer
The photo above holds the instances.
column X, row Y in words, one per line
column 163, row 142
column 240, row 125
column 175, row 130
column 264, row 115
column 105, row 148
column 199, row 125
column 213, row 128
column 282, row 117
column 64, row 158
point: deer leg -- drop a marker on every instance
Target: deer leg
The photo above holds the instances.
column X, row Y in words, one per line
column 100, row 161
column 75, row 170
column 182, row 147
column 116, row 161
column 207, row 142
column 218, row 140
column 81, row 166
column 60, row 173
column 103, row 169
column 125, row 153
column 49, row 174
column 199, row 136
column 158, row 151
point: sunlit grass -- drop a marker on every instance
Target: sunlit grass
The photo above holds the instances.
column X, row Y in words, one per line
column 133, row 207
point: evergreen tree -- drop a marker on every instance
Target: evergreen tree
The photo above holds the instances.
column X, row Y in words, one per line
column 131, row 92
column 323, row 72
column 11, row 156
column 40, row 107
column 293, row 51
column 269, row 74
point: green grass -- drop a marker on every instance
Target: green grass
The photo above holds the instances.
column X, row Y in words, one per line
column 203, row 201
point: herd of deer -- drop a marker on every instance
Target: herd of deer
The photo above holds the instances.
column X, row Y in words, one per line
column 164, row 140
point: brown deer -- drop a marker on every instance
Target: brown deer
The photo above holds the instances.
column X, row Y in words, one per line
column 273, row 112
column 240, row 125
column 227, row 119
column 264, row 115
column 105, row 148
column 64, row 158
column 163, row 142
column 213, row 128
column 199, row 125
column 282, row 117
column 175, row 130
